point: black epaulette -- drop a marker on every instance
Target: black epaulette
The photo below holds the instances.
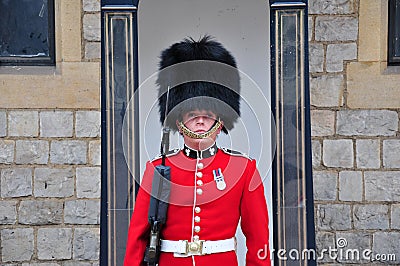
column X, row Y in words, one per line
column 235, row 153
column 169, row 153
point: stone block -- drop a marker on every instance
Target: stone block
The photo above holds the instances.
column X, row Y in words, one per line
column 91, row 5
column 350, row 186
column 54, row 243
column 351, row 245
column 35, row 212
column 6, row 151
column 371, row 216
column 93, row 50
column 51, row 182
column 310, row 28
column 367, row 123
column 373, row 19
column 56, row 124
column 338, row 153
column 3, row 124
column 322, row 123
column 32, row 152
column 71, row 33
column 17, row 244
column 387, row 243
column 368, row 153
column 82, row 212
column 336, row 54
column 395, row 215
column 327, row 91
column 87, row 124
column 333, row 217
column 95, row 152
column 382, row 186
column 16, row 182
column 91, row 27
column 331, row 7
column 23, row 124
column 78, row 86
column 68, row 152
column 324, row 241
column 8, row 212
column 316, row 153
column 316, row 57
column 363, row 79
column 86, row 244
column 325, row 185
column 332, row 29
column 88, row 182
column 391, row 152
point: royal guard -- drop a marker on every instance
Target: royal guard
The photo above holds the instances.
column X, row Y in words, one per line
column 211, row 188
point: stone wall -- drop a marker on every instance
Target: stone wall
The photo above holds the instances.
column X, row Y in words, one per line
column 50, row 149
column 355, row 148
column 50, row 187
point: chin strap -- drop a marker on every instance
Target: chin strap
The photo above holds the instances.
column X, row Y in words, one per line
column 195, row 135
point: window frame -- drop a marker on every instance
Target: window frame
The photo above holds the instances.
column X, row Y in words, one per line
column 393, row 26
column 49, row 60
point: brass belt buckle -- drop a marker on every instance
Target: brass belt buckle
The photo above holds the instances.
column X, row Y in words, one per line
column 196, row 247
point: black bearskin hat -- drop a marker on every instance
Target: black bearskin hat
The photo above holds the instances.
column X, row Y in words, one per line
column 200, row 75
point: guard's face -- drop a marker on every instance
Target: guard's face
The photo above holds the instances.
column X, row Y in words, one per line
column 200, row 121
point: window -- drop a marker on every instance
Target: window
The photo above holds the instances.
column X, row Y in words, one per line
column 394, row 33
column 27, row 32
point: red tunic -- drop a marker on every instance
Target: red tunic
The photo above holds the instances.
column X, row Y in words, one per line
column 217, row 214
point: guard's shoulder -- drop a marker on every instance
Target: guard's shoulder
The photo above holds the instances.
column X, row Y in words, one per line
column 169, row 154
column 235, row 153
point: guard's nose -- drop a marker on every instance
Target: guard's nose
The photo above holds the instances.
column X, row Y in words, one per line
column 200, row 119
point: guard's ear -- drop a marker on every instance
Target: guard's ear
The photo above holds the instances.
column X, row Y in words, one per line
column 220, row 127
column 179, row 128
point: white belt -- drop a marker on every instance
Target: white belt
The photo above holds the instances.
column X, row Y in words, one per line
column 184, row 248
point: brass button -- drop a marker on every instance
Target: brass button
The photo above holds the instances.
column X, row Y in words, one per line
column 197, row 219
column 199, row 191
column 197, row 228
column 199, row 174
column 197, row 209
column 199, row 182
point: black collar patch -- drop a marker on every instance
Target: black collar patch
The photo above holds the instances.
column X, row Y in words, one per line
column 194, row 154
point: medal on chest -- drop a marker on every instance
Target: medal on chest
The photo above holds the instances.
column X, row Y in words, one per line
column 219, row 179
